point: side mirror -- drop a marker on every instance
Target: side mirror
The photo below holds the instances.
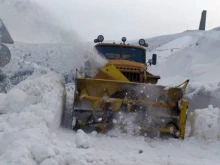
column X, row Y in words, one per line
column 154, row 59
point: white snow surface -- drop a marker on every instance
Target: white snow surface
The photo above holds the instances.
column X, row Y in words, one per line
column 194, row 56
column 34, row 96
column 207, row 123
column 82, row 140
column 29, row 112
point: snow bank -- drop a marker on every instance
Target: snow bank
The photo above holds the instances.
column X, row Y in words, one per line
column 192, row 55
column 177, row 43
column 216, row 29
column 205, row 123
column 29, row 111
column 41, row 94
column 200, row 95
column 209, row 89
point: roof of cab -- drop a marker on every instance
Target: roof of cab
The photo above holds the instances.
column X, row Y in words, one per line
column 122, row 44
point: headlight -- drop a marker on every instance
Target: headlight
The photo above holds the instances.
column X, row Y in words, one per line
column 142, row 42
column 123, row 39
column 100, row 38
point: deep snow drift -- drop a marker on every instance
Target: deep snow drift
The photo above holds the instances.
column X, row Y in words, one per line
column 194, row 56
column 206, row 124
column 29, row 112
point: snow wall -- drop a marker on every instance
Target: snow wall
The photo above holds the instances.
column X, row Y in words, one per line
column 205, row 124
column 30, row 112
column 41, row 95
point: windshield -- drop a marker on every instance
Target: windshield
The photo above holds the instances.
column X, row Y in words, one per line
column 110, row 52
column 128, row 53
column 133, row 54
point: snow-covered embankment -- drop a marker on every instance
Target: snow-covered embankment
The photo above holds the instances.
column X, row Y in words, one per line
column 29, row 113
column 205, row 124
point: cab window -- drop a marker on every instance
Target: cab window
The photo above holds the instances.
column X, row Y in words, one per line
column 122, row 52
column 110, row 52
column 133, row 54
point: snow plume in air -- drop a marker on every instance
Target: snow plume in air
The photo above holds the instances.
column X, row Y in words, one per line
column 93, row 62
column 61, row 58
column 83, row 52
column 29, row 22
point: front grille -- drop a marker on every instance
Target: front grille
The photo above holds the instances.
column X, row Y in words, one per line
column 132, row 76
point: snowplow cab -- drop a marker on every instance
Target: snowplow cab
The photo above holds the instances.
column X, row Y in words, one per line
column 123, row 95
column 130, row 60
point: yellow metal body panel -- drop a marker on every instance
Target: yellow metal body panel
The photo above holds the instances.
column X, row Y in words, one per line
column 110, row 72
column 98, row 87
column 182, row 118
column 126, row 65
column 98, row 91
column 134, row 67
column 116, row 103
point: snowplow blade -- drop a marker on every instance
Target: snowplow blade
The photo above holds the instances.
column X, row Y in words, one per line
column 99, row 92
column 101, row 100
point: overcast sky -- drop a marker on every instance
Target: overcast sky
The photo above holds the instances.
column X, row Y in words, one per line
column 132, row 18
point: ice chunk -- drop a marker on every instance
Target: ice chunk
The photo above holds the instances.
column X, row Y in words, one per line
column 82, row 140
column 41, row 152
column 16, row 100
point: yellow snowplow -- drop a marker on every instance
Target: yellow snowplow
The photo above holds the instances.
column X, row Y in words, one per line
column 124, row 95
